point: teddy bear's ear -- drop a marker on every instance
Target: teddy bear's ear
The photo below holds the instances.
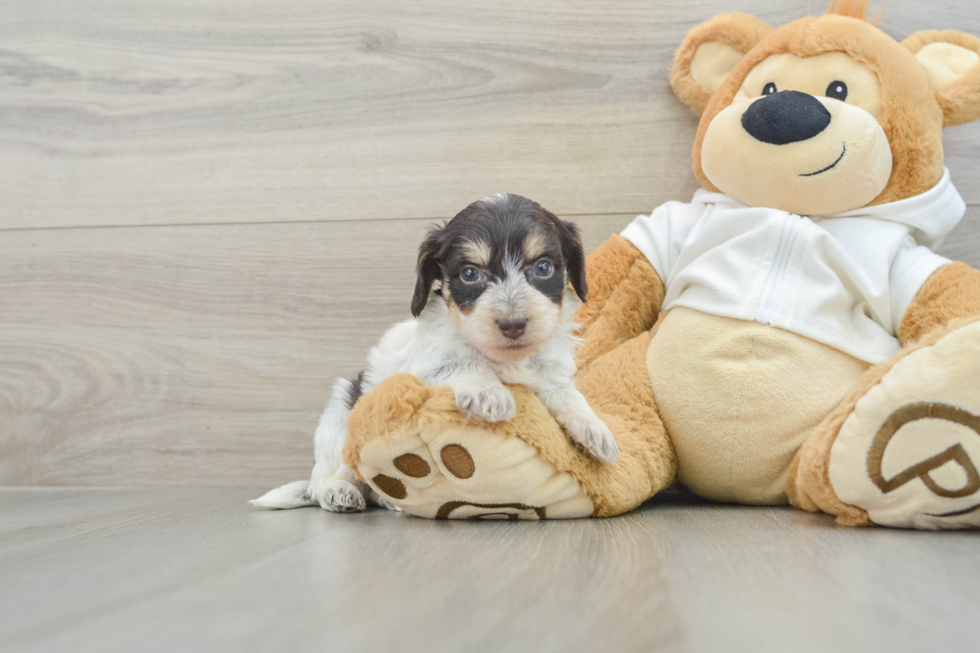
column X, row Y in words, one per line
column 952, row 60
column 709, row 53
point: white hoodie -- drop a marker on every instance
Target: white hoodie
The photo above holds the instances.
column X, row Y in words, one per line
column 844, row 279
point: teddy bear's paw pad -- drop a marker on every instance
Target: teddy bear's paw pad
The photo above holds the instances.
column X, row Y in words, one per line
column 909, row 454
column 469, row 473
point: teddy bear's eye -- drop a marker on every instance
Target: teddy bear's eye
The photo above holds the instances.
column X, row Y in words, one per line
column 770, row 89
column 837, row 90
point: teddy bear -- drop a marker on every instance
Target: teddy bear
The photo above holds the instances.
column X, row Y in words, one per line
column 787, row 336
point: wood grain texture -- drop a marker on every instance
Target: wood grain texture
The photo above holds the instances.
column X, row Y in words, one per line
column 209, row 209
column 199, row 570
column 191, row 354
column 127, row 112
column 199, row 354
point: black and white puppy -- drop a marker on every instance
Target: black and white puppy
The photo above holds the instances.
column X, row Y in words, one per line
column 493, row 304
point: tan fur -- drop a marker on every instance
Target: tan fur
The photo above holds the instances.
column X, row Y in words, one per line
column 402, row 403
column 959, row 100
column 534, row 246
column 910, row 114
column 477, row 252
column 456, row 312
column 625, row 296
column 850, row 8
column 616, row 382
column 739, row 398
column 953, row 291
column 478, row 321
column 809, row 485
column 739, row 31
column 758, row 174
column 623, row 313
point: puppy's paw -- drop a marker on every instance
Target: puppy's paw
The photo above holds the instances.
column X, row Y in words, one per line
column 592, row 435
column 493, row 404
column 341, row 496
column 387, row 505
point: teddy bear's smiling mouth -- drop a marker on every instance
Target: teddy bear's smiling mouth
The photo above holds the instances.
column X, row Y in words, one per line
column 842, row 152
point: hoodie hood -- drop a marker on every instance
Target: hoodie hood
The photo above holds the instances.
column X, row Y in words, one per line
column 931, row 215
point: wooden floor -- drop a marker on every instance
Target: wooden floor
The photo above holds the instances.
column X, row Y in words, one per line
column 210, row 208
column 199, row 570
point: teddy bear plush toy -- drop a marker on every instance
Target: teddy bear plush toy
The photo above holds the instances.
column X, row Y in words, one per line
column 786, row 336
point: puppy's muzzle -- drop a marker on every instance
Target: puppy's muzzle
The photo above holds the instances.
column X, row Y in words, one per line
column 512, row 327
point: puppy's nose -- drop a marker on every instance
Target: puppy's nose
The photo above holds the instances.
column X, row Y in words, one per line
column 512, row 327
column 786, row 117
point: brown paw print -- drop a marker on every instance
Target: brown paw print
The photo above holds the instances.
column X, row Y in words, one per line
column 481, row 511
column 409, row 464
column 909, row 452
column 923, row 470
column 457, row 463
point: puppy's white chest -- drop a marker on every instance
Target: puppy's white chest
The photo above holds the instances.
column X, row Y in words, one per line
column 526, row 372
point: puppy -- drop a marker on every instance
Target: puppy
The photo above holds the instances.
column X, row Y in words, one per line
column 493, row 304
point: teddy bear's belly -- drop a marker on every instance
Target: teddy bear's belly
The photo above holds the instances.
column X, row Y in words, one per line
column 738, row 399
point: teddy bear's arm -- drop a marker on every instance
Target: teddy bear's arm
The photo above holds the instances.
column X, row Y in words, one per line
column 953, row 291
column 625, row 296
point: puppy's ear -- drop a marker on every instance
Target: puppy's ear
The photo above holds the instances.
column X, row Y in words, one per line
column 428, row 269
column 574, row 255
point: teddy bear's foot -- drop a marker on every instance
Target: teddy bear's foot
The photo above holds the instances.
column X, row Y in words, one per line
column 469, row 474
column 427, row 459
column 909, row 453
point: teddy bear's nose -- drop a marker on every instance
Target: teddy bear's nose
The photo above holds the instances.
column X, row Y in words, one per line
column 785, row 117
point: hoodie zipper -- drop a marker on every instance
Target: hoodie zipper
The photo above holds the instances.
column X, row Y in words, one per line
column 773, row 287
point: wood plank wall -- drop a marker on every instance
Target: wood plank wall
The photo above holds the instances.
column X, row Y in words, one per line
column 210, row 208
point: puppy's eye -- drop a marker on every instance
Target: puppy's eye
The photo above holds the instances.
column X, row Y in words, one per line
column 543, row 269
column 837, row 90
column 770, row 89
column 470, row 275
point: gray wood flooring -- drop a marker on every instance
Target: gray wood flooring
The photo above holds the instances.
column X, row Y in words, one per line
column 199, row 570
column 209, row 209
